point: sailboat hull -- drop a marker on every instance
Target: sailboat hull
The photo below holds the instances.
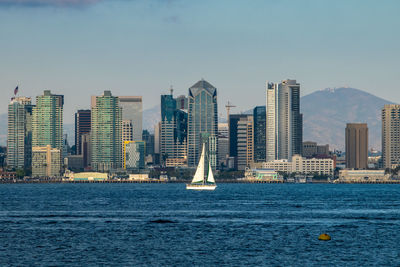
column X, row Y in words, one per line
column 208, row 187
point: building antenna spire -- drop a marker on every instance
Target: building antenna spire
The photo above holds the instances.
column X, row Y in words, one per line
column 171, row 89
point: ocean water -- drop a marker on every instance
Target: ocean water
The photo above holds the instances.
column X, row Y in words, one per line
column 236, row 225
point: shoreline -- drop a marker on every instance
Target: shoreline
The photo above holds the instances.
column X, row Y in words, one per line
column 222, row 181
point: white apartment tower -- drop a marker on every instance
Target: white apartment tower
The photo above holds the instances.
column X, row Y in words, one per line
column 284, row 131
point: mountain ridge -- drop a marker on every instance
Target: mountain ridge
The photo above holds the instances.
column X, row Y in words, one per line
column 327, row 111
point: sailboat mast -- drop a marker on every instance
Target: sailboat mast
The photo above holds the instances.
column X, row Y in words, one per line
column 204, row 162
column 205, row 157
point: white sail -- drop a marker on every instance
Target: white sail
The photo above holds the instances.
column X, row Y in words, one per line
column 199, row 175
column 210, row 177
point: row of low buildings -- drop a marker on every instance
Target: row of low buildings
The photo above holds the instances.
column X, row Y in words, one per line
column 302, row 165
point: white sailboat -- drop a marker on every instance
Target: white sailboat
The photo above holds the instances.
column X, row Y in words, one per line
column 199, row 181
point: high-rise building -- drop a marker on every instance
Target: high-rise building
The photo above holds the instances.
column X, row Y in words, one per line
column 47, row 121
column 167, row 139
column 181, row 125
column 223, row 143
column 202, row 121
column 127, row 130
column 19, row 138
column 157, row 134
column 82, row 126
column 284, row 121
column 106, row 133
column 132, row 110
column 66, row 151
column 391, row 136
column 241, row 140
column 46, row 161
column 148, row 138
column 272, row 121
column 233, row 132
column 250, row 140
column 356, row 146
column 85, row 149
column 182, row 102
column 173, row 131
column 260, row 124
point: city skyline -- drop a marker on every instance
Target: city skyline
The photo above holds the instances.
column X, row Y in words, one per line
column 199, row 133
column 84, row 51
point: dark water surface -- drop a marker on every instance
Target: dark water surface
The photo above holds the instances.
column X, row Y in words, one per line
column 238, row 224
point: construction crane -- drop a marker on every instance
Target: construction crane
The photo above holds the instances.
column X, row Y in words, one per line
column 228, row 107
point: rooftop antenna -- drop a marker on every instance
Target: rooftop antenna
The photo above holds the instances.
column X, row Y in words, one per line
column 171, row 89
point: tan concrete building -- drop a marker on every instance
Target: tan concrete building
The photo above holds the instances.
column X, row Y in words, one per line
column 302, row 165
column 46, row 161
column 391, row 136
column 356, row 145
column 312, row 149
column 241, row 138
column 356, row 176
column 176, row 162
column 250, row 141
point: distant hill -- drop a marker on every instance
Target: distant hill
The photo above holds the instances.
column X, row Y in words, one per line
column 327, row 111
column 151, row 117
column 325, row 114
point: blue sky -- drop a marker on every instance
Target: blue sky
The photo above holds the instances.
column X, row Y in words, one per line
column 80, row 48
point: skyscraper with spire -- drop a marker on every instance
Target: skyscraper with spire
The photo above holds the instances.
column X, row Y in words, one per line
column 173, row 130
column 202, row 122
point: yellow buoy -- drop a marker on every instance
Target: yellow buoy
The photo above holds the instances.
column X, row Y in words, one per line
column 324, row 237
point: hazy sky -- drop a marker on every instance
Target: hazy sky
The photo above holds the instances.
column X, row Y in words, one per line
column 80, row 48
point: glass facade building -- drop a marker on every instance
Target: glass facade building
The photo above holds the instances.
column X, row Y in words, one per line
column 202, row 121
column 19, row 137
column 82, row 126
column 148, row 138
column 260, row 148
column 167, row 140
column 132, row 110
column 106, row 133
column 173, row 130
column 47, row 121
